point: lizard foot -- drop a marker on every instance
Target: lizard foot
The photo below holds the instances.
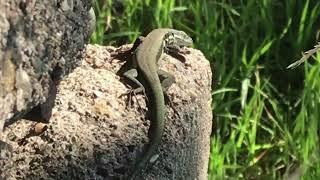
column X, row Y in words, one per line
column 132, row 93
column 5, row 150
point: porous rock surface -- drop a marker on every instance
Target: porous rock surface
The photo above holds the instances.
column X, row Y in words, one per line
column 95, row 132
column 37, row 38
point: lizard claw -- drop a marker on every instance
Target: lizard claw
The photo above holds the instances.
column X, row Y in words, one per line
column 133, row 93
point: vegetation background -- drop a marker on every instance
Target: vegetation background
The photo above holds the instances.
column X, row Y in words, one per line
column 266, row 116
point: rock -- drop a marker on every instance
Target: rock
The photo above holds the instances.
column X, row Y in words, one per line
column 39, row 43
column 93, row 133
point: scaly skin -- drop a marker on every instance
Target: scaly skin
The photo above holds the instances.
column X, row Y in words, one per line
column 145, row 58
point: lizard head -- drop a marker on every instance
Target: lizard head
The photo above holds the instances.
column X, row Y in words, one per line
column 175, row 38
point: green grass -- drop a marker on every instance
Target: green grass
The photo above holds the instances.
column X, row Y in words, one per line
column 266, row 116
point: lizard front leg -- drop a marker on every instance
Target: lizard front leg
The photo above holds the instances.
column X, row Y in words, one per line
column 5, row 151
column 176, row 52
column 127, row 54
column 166, row 79
column 132, row 74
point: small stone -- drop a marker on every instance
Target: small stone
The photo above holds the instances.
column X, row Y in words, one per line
column 39, row 128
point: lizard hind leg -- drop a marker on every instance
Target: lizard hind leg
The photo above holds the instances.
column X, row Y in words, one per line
column 132, row 74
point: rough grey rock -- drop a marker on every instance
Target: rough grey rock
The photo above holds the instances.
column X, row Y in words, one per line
column 39, row 41
column 95, row 133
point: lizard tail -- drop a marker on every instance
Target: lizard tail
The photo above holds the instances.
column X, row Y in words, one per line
column 156, row 128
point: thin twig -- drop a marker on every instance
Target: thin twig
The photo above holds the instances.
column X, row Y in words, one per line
column 305, row 56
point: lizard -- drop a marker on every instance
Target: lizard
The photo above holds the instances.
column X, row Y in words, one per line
column 148, row 51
